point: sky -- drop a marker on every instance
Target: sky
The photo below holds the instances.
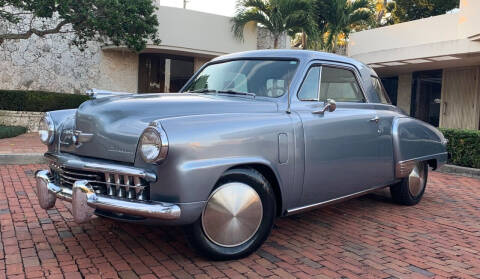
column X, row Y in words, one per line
column 220, row 7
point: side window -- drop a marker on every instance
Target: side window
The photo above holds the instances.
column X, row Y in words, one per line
column 309, row 89
column 380, row 91
column 339, row 85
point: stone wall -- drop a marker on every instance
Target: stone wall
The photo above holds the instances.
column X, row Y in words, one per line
column 53, row 63
column 26, row 119
column 265, row 39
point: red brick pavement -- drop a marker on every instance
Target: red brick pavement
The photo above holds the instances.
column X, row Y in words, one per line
column 368, row 237
column 26, row 143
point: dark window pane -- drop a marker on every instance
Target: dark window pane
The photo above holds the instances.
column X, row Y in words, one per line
column 339, row 85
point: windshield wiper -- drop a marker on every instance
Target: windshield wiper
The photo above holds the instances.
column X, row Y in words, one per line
column 203, row 90
column 237, row 93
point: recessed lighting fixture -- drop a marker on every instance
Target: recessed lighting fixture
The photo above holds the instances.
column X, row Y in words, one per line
column 376, row 66
column 444, row 58
column 393, row 64
column 417, row 61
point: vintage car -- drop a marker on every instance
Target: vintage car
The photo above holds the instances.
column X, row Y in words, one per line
column 251, row 136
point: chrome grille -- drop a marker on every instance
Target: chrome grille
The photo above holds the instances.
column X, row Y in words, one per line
column 111, row 184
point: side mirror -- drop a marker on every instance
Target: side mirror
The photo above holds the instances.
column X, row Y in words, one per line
column 330, row 105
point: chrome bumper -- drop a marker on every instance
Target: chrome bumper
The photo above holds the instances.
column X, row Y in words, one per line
column 84, row 201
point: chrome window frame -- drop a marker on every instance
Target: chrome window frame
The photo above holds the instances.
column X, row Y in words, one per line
column 322, row 64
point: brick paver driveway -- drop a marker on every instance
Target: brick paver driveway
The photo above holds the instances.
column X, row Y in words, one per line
column 368, row 237
column 26, row 143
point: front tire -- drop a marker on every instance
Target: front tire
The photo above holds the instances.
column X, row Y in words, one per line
column 237, row 218
column 410, row 190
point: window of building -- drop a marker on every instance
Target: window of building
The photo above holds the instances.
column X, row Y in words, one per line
column 163, row 73
column 426, row 96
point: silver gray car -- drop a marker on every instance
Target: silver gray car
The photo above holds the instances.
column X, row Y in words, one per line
column 251, row 136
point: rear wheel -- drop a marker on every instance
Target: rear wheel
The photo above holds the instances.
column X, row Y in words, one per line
column 410, row 190
column 237, row 218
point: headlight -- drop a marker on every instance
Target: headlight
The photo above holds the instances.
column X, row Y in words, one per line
column 46, row 129
column 153, row 144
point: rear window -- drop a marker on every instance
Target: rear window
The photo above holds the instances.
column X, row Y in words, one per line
column 380, row 91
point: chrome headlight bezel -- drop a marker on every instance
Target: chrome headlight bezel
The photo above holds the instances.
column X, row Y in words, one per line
column 47, row 127
column 159, row 136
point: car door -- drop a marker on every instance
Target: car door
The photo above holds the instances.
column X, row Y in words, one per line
column 340, row 146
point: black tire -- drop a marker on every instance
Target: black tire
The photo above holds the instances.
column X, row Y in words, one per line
column 401, row 193
column 201, row 243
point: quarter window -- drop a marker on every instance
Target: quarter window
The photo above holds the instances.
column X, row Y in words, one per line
column 380, row 91
column 339, row 85
column 309, row 89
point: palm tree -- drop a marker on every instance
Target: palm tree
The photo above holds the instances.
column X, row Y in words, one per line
column 336, row 19
column 278, row 16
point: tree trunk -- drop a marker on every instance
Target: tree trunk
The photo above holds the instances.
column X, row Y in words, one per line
column 304, row 40
column 275, row 41
column 335, row 43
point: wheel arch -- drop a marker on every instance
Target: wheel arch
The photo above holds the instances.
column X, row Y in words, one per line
column 272, row 178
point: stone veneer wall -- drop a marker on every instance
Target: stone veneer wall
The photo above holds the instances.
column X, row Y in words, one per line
column 28, row 119
column 265, row 39
column 52, row 63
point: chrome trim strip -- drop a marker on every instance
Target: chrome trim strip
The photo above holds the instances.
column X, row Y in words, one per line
column 150, row 209
column 403, row 168
column 332, row 201
column 76, row 162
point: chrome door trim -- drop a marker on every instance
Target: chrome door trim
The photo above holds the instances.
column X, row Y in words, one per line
column 332, row 201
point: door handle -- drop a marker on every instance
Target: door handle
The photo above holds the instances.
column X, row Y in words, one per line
column 376, row 119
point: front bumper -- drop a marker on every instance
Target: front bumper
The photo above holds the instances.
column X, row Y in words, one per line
column 84, row 201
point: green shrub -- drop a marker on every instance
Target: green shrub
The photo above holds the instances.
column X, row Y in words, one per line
column 39, row 100
column 11, row 131
column 463, row 147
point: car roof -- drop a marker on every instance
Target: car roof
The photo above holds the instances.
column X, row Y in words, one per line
column 304, row 55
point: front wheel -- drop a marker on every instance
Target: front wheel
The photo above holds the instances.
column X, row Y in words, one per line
column 410, row 190
column 237, row 218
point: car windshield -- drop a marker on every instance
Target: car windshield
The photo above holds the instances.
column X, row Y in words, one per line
column 267, row 78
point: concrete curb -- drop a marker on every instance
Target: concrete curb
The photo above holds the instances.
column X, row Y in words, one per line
column 22, row 159
column 464, row 171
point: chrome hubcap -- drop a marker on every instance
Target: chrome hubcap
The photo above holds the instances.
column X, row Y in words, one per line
column 232, row 215
column 416, row 180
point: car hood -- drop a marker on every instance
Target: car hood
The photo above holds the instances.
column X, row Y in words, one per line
column 117, row 122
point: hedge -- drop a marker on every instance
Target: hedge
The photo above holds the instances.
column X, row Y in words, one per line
column 11, row 131
column 463, row 147
column 41, row 101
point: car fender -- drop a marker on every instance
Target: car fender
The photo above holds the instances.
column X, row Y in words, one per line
column 203, row 147
column 415, row 141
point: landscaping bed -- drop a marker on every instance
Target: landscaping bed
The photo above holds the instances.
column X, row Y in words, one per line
column 26, row 108
column 11, row 131
column 463, row 147
column 39, row 101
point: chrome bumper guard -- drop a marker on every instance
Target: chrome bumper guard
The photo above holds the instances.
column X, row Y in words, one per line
column 84, row 201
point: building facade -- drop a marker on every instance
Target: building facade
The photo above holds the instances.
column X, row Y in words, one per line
column 430, row 67
column 189, row 39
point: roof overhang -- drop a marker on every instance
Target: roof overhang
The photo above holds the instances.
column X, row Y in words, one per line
column 174, row 50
